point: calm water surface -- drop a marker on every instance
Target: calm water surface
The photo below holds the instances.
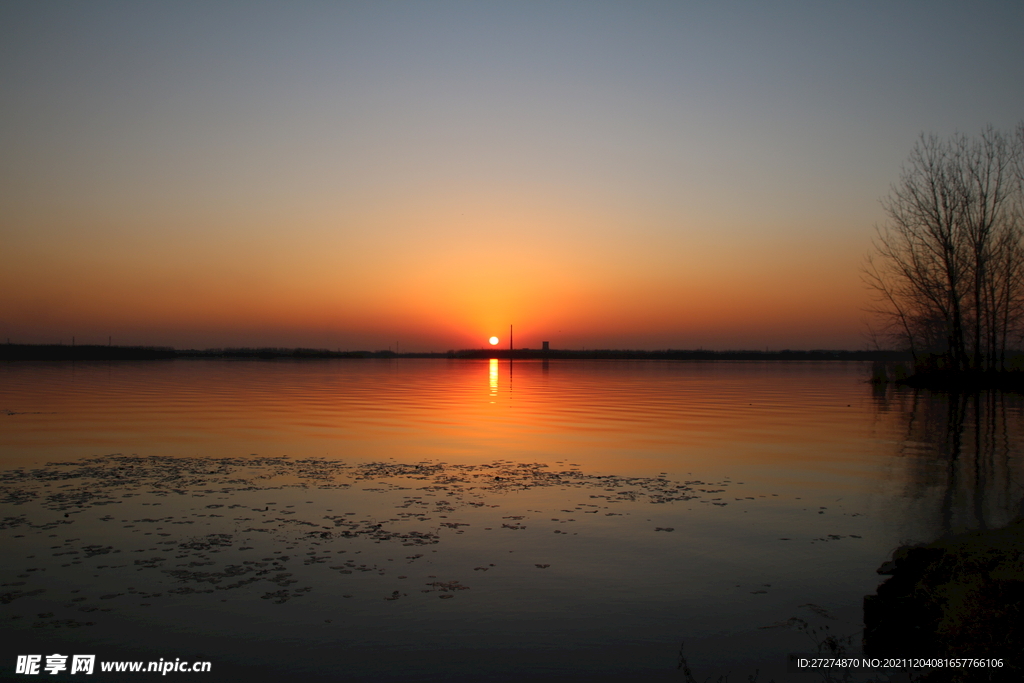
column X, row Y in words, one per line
column 431, row 520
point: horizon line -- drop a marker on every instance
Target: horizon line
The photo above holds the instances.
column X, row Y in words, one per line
column 13, row 351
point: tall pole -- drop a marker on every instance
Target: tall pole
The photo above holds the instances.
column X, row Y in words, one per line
column 510, row 339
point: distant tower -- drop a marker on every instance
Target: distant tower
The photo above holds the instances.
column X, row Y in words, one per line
column 510, row 347
column 545, row 344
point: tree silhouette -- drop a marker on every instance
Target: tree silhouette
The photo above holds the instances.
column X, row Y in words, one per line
column 947, row 267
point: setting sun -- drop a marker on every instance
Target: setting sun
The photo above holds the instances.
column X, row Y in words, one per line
column 493, row 340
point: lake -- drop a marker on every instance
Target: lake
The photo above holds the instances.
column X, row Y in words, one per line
column 422, row 520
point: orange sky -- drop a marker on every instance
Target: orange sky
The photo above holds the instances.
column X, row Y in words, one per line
column 440, row 288
column 356, row 175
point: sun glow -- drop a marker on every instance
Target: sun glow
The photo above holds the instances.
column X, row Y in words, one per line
column 493, row 341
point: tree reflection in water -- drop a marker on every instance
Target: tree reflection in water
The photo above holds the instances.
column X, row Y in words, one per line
column 959, row 458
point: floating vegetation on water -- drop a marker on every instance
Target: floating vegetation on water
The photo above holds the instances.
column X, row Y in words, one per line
column 107, row 480
column 193, row 526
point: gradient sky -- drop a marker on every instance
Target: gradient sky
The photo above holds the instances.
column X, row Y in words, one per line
column 352, row 175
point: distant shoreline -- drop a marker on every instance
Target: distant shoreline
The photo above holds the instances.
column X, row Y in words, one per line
column 63, row 352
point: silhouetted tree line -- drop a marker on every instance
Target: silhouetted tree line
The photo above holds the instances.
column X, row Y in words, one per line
column 91, row 352
column 682, row 354
column 948, row 265
column 83, row 352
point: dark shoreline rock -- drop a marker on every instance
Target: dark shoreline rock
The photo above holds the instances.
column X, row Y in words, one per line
column 923, row 376
column 961, row 596
column 1008, row 380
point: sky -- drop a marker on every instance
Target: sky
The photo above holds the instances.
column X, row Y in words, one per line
column 421, row 175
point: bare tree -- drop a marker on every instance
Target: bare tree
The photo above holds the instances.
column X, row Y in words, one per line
column 948, row 266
